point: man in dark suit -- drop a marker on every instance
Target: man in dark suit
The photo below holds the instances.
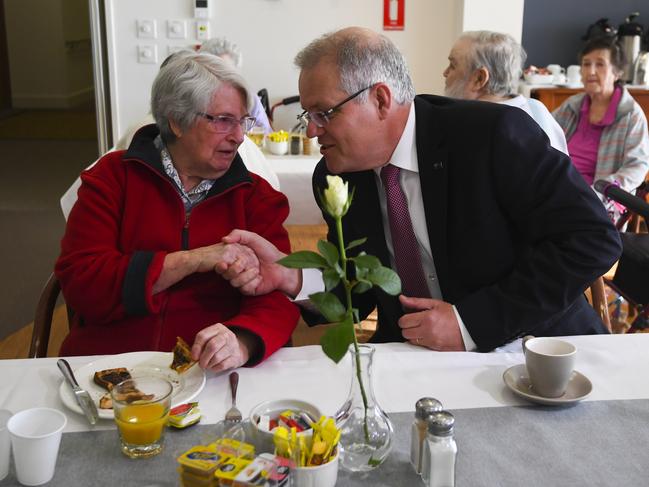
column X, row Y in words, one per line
column 506, row 234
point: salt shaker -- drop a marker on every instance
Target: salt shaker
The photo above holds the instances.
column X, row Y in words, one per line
column 423, row 407
column 438, row 463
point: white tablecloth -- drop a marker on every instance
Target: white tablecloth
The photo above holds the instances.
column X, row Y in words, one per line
column 294, row 174
column 402, row 374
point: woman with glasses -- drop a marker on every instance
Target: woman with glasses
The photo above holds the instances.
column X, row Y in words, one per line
column 605, row 127
column 143, row 242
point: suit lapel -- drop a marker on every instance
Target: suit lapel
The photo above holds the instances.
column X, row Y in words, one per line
column 433, row 173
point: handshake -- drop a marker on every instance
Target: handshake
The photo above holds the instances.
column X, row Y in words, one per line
column 251, row 266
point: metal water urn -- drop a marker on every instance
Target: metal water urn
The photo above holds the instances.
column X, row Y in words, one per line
column 629, row 35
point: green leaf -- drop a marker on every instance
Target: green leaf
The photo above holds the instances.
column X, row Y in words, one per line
column 303, row 259
column 361, row 286
column 328, row 251
column 336, row 340
column 329, row 305
column 331, row 278
column 366, row 261
column 386, row 279
column 356, row 243
column 374, row 462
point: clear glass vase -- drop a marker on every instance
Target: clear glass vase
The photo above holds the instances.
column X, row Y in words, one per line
column 365, row 430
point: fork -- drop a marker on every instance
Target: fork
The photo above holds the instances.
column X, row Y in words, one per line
column 233, row 415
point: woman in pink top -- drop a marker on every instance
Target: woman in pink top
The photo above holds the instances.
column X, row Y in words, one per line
column 605, row 127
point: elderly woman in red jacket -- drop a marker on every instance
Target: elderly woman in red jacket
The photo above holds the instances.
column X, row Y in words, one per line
column 143, row 242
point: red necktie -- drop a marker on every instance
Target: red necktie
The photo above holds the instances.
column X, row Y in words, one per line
column 404, row 242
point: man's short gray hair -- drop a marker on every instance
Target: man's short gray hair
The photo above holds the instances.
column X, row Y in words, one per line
column 499, row 54
column 220, row 46
column 186, row 84
column 363, row 58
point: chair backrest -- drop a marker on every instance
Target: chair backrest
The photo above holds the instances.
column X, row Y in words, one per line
column 43, row 318
column 599, row 302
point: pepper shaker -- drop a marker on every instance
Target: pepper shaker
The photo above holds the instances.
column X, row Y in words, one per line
column 424, row 407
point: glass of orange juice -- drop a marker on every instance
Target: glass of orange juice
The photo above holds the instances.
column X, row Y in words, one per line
column 141, row 406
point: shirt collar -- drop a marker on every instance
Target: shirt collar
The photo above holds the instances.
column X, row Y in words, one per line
column 405, row 153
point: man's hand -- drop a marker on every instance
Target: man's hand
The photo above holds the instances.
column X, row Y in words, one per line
column 430, row 323
column 218, row 348
column 270, row 276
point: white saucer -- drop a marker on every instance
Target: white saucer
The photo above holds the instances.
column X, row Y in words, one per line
column 517, row 380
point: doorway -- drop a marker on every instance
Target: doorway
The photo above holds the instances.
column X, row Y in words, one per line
column 47, row 136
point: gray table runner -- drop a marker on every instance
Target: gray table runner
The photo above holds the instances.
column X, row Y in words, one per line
column 601, row 443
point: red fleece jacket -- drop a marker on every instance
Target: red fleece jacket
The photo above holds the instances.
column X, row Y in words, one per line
column 127, row 218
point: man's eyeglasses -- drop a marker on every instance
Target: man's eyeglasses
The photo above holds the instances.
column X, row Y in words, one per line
column 224, row 124
column 323, row 118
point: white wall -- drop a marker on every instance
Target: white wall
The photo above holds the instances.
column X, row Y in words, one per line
column 48, row 45
column 497, row 15
column 271, row 32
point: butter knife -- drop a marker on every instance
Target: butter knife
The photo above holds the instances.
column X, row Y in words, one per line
column 84, row 400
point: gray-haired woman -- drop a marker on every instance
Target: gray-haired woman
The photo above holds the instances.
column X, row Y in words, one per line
column 142, row 244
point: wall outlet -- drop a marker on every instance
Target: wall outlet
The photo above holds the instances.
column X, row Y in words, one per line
column 176, row 29
column 147, row 29
column 202, row 30
column 147, row 53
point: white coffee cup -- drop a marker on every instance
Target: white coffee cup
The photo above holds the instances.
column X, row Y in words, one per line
column 555, row 69
column 5, row 443
column 573, row 74
column 550, row 363
column 35, row 439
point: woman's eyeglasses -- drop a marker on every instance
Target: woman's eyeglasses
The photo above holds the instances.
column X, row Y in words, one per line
column 224, row 124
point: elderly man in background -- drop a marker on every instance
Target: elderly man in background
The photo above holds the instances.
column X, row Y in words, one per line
column 504, row 235
column 487, row 66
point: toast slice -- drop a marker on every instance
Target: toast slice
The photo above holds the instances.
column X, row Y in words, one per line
column 111, row 377
column 182, row 356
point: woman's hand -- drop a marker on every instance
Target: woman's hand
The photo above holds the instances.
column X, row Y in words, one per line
column 225, row 255
column 212, row 258
column 218, row 348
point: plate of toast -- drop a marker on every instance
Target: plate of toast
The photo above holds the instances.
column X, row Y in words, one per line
column 100, row 376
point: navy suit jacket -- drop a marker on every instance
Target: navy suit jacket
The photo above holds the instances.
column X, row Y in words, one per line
column 515, row 232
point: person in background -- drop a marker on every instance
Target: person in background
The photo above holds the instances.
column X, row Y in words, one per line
column 605, row 127
column 223, row 48
column 487, row 66
column 505, row 234
column 143, row 242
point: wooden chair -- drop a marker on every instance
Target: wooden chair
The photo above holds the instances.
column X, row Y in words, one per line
column 43, row 318
column 599, row 301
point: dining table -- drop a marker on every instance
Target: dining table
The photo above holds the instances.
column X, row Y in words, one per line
column 503, row 439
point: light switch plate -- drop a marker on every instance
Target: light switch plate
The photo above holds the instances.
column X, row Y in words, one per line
column 147, row 53
column 202, row 30
column 147, row 29
column 176, row 29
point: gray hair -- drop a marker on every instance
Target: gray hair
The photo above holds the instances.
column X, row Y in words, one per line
column 363, row 58
column 186, row 85
column 499, row 54
column 220, row 46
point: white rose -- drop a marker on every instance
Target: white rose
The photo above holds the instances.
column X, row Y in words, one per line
column 336, row 195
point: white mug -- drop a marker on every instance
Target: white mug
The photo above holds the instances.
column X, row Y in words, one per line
column 550, row 363
column 574, row 74
column 555, row 69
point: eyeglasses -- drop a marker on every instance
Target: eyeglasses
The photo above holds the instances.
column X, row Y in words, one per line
column 224, row 124
column 323, row 118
